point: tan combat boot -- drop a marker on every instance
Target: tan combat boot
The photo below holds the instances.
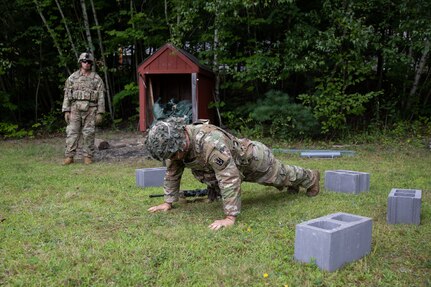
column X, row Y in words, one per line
column 68, row 160
column 314, row 189
column 88, row 160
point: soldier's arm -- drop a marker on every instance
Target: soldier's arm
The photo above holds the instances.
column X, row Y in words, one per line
column 171, row 185
column 67, row 96
column 101, row 97
column 229, row 180
column 172, row 181
column 228, row 177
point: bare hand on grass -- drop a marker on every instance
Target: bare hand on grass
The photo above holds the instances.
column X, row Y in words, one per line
column 161, row 207
column 228, row 221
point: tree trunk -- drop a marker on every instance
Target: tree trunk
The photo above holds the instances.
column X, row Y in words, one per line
column 87, row 27
column 38, row 83
column 419, row 70
column 167, row 20
column 134, row 42
column 52, row 34
column 217, row 72
column 67, row 29
column 102, row 53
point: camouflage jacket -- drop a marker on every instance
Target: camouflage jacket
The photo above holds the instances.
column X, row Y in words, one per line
column 79, row 87
column 212, row 150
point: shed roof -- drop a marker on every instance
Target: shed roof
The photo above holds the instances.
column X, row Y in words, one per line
column 171, row 60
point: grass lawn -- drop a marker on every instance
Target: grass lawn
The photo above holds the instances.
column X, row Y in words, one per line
column 89, row 226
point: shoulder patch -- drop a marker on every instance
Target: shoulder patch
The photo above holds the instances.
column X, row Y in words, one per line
column 219, row 161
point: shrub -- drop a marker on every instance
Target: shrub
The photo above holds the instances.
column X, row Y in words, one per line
column 283, row 119
column 8, row 130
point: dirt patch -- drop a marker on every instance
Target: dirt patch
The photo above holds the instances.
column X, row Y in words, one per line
column 114, row 147
column 123, row 153
column 121, row 149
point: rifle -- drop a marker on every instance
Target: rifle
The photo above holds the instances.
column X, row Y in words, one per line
column 187, row 193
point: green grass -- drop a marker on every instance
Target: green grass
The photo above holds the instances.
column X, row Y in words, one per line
column 89, row 226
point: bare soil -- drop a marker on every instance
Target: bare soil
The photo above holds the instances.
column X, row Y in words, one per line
column 121, row 149
column 115, row 147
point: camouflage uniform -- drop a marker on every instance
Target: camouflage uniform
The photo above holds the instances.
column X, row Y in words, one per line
column 222, row 161
column 84, row 99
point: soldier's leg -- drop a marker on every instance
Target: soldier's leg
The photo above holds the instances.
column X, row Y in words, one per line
column 89, row 132
column 299, row 177
column 267, row 170
column 73, row 131
column 263, row 168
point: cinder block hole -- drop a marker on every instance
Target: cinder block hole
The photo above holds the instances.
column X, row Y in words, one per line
column 325, row 225
column 403, row 194
column 346, row 218
column 406, row 191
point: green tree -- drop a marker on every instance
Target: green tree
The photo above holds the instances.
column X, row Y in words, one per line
column 343, row 67
column 345, row 59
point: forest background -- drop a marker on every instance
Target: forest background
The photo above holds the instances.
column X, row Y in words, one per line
column 285, row 69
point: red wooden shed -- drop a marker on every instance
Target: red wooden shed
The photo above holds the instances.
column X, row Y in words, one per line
column 172, row 73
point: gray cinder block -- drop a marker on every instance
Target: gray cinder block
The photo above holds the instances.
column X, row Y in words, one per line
column 347, row 181
column 146, row 177
column 333, row 240
column 321, row 154
column 404, row 206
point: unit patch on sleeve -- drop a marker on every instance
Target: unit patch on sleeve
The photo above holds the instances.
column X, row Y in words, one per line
column 219, row 161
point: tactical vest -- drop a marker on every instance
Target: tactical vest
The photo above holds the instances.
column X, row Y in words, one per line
column 84, row 88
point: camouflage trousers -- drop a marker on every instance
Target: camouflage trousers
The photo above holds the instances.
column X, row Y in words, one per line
column 265, row 169
column 262, row 167
column 82, row 123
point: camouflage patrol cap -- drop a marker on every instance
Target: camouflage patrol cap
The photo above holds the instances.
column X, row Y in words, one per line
column 166, row 137
column 86, row 56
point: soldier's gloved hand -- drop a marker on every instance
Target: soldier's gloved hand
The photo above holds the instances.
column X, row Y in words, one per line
column 161, row 207
column 67, row 117
column 99, row 119
column 228, row 221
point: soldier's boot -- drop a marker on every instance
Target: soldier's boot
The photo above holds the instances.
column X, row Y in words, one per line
column 314, row 189
column 68, row 160
column 293, row 189
column 88, row 160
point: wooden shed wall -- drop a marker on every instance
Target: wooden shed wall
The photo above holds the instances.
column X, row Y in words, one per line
column 168, row 74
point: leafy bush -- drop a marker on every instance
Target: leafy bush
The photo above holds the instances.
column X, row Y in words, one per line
column 332, row 104
column 130, row 90
column 241, row 126
column 6, row 106
column 50, row 123
column 8, row 130
column 123, row 104
column 417, row 133
column 283, row 119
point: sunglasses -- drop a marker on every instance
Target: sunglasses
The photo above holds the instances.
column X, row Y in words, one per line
column 87, row 62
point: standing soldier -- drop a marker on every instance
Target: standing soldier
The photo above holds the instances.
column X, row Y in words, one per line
column 83, row 106
column 222, row 162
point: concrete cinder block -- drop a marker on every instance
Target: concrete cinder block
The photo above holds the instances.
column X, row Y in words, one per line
column 333, row 240
column 347, row 181
column 321, row 154
column 404, row 206
column 146, row 177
